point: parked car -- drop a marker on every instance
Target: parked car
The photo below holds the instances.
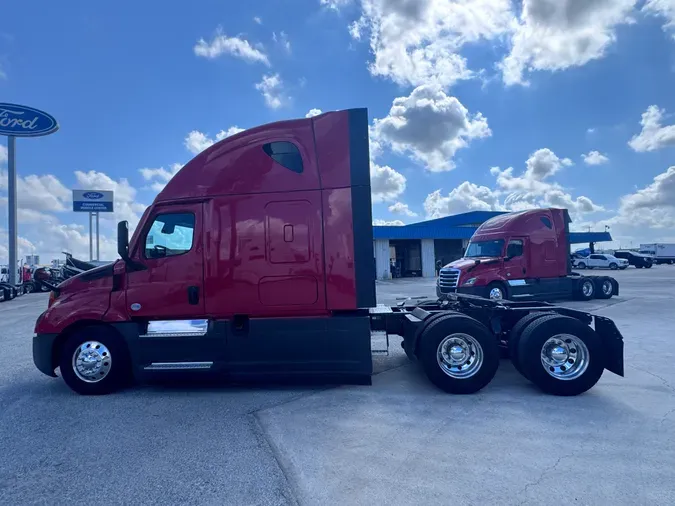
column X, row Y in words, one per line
column 637, row 259
column 596, row 261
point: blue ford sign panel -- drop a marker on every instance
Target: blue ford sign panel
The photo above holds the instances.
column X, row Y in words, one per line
column 92, row 201
column 23, row 121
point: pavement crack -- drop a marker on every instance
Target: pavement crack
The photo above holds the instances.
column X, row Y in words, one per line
column 665, row 417
column 540, row 478
column 665, row 382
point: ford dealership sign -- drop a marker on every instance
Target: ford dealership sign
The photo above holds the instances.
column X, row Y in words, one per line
column 22, row 121
column 92, row 201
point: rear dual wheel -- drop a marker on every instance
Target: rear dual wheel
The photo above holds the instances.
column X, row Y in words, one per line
column 560, row 355
column 459, row 354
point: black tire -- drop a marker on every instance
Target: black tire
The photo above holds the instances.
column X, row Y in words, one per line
column 497, row 285
column 436, row 333
column 517, row 332
column 648, row 266
column 581, row 265
column 579, row 292
column 604, row 288
column 613, row 266
column 531, row 346
column 119, row 374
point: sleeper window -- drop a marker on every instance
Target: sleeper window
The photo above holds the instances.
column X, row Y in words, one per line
column 286, row 154
column 170, row 235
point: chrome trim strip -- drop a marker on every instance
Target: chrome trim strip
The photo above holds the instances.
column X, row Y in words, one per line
column 177, row 366
column 517, row 282
column 177, row 328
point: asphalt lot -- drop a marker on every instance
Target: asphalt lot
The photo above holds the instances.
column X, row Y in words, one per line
column 400, row 441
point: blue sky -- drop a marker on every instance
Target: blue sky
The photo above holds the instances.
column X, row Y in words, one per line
column 495, row 102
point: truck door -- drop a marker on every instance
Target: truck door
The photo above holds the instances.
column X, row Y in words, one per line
column 170, row 247
column 515, row 260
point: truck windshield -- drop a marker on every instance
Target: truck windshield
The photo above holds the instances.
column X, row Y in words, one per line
column 485, row 249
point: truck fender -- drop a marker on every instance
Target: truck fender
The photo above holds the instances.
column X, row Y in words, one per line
column 427, row 318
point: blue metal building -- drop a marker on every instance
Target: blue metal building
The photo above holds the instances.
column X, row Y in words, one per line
column 413, row 250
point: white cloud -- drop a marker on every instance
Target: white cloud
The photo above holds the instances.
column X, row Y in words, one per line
column 3, row 155
column 530, row 189
column 271, row 88
column 665, row 9
column 335, row 4
column 653, row 136
column 466, row 197
column 557, row 34
column 282, row 40
column 257, row 20
column 39, row 193
column 391, row 223
column 647, row 215
column 234, row 46
column 160, row 177
column 594, row 158
column 431, row 126
column 196, row 141
column 417, row 42
column 402, row 209
column 312, row 113
column 385, row 183
column 590, row 131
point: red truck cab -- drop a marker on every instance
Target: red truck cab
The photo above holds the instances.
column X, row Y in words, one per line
column 244, row 259
column 521, row 255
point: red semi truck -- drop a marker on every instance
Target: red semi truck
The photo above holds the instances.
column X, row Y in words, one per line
column 256, row 260
column 522, row 256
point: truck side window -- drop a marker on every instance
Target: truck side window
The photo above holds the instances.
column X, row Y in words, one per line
column 515, row 248
column 170, row 235
column 286, row 154
column 547, row 223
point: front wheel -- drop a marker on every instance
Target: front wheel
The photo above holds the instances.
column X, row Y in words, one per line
column 561, row 355
column 95, row 361
column 581, row 265
column 613, row 266
column 648, row 266
column 459, row 354
column 496, row 291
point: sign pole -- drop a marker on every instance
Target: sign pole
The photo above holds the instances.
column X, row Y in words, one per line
column 91, row 239
column 97, row 242
column 11, row 200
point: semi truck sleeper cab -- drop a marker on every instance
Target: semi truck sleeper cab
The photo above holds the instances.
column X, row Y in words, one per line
column 256, row 260
column 522, row 256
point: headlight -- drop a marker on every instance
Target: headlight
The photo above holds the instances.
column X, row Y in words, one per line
column 469, row 282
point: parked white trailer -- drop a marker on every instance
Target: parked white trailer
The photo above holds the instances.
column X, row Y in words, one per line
column 663, row 253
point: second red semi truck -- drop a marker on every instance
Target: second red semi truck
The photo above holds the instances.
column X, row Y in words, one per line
column 522, row 256
column 256, row 260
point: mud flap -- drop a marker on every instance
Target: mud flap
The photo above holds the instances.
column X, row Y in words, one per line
column 612, row 343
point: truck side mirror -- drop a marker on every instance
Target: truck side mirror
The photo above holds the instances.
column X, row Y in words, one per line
column 123, row 240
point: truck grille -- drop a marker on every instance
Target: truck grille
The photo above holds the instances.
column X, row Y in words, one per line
column 448, row 279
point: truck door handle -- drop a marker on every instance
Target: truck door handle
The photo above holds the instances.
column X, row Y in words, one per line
column 193, row 295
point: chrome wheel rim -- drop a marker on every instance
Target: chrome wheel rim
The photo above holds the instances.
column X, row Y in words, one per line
column 587, row 288
column 607, row 287
column 496, row 293
column 459, row 356
column 565, row 356
column 92, row 361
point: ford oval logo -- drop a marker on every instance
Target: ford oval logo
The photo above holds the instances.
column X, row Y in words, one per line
column 92, row 195
column 23, row 121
